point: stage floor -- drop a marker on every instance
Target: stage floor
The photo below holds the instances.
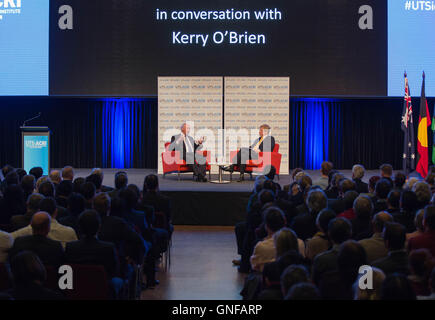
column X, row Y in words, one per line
column 171, row 183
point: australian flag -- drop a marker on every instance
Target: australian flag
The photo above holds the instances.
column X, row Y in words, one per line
column 408, row 130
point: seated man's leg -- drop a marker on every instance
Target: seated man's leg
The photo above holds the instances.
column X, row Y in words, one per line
column 200, row 165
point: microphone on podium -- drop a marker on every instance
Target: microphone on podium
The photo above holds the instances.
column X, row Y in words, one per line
column 39, row 114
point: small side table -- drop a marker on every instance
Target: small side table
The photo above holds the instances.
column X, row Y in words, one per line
column 220, row 178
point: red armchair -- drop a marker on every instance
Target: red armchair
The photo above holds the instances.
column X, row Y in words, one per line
column 173, row 163
column 264, row 159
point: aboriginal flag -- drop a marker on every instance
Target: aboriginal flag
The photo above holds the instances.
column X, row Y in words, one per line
column 423, row 123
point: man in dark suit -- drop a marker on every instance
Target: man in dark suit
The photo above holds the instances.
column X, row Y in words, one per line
column 90, row 250
column 188, row 148
column 357, row 175
column 397, row 258
column 49, row 251
column 264, row 143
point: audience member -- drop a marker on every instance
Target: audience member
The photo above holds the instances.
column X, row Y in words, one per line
column 32, row 206
column 56, row 232
column 303, row 291
column 375, row 246
column 29, row 276
column 361, row 225
column 427, row 239
column 68, row 173
column 397, row 259
column 49, row 251
column 421, row 264
column 357, row 175
column 339, row 230
column 325, row 168
column 418, row 223
column 37, row 172
column 396, row 286
column 265, row 250
column 320, row 242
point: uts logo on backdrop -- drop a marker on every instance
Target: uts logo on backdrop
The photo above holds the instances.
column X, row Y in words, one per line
column 31, row 144
column 8, row 7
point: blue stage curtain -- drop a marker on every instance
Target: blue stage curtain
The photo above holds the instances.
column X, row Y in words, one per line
column 315, row 132
column 128, row 133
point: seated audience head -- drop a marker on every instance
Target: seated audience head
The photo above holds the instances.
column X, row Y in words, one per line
column 48, row 205
column 76, row 204
column 101, row 204
column 21, row 173
column 121, row 180
column 339, row 230
column 27, row 269
column 96, row 180
column 303, row 291
column 358, row 171
column 346, row 185
column 410, row 184
column 316, row 201
column 14, row 196
column 386, row 170
column 379, row 221
column 64, row 189
column 397, row 287
column 258, row 184
column 6, row 169
column 394, row 236
column 295, row 172
column 266, row 196
column 285, row 240
column 99, row 172
column 304, row 181
column 325, row 168
column 68, row 173
column 363, row 207
column 274, row 219
column 33, row 202
column 383, row 188
column 423, row 194
column 46, row 189
column 12, row 178
column 292, row 275
column 370, row 294
column 129, row 198
column 55, row 176
column 336, row 179
column 399, row 180
column 430, row 179
column 89, row 223
column 349, row 198
column 28, row 183
column 41, row 223
column 77, row 184
column 269, row 185
column 37, row 172
column 151, row 183
column 429, row 218
column 323, row 219
column 372, row 183
column 393, row 199
column 88, row 190
column 408, row 201
column 351, row 256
